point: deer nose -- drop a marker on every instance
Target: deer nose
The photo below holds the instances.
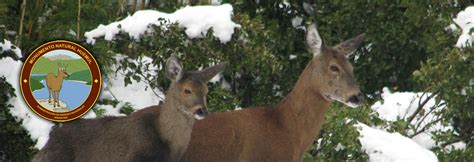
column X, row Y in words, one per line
column 203, row 112
column 357, row 99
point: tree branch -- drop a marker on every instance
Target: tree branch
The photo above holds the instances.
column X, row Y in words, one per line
column 424, row 127
column 78, row 34
column 424, row 117
column 420, row 106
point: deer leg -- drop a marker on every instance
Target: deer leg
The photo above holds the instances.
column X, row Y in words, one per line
column 49, row 94
column 58, row 98
column 55, row 100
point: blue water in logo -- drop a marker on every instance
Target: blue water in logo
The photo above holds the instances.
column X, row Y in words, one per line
column 73, row 93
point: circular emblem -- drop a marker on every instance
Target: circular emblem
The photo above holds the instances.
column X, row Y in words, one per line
column 60, row 81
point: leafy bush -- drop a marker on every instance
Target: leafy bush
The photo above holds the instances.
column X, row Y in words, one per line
column 15, row 140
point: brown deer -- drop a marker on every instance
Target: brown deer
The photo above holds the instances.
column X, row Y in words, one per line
column 285, row 131
column 161, row 134
column 55, row 84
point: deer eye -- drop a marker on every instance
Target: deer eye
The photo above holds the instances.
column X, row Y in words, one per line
column 334, row 68
column 187, row 91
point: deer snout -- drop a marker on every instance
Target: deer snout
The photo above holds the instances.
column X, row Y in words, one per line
column 201, row 113
column 356, row 100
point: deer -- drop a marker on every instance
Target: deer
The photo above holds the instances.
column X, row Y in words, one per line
column 55, row 83
column 286, row 130
column 161, row 134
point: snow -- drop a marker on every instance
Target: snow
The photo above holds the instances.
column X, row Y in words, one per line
column 8, row 46
column 401, row 105
column 296, row 23
column 465, row 21
column 292, row 57
column 139, row 94
column 197, row 20
column 111, row 110
column 384, row 146
column 37, row 127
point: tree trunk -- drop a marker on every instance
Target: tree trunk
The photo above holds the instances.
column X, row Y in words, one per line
column 135, row 5
column 143, row 4
column 120, row 7
column 78, row 34
column 23, row 10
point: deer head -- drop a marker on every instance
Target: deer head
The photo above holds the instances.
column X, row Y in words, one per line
column 62, row 70
column 332, row 70
column 189, row 88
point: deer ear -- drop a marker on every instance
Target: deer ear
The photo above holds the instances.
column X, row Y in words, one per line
column 174, row 69
column 208, row 73
column 313, row 40
column 349, row 46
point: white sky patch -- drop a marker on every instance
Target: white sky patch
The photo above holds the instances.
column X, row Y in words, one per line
column 465, row 21
column 385, row 146
column 62, row 52
column 197, row 20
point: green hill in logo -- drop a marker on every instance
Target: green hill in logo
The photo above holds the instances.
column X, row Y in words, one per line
column 77, row 69
column 45, row 65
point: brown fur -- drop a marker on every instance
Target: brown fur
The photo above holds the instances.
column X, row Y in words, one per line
column 158, row 134
column 55, row 83
column 285, row 131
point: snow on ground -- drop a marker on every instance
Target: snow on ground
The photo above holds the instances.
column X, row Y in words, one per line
column 197, row 20
column 37, row 127
column 403, row 104
column 8, row 46
column 465, row 21
column 384, row 146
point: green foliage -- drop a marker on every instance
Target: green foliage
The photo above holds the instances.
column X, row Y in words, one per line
column 339, row 137
column 457, row 155
column 221, row 99
column 127, row 109
column 450, row 74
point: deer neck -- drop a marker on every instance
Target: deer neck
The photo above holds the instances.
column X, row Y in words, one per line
column 303, row 109
column 59, row 76
column 175, row 126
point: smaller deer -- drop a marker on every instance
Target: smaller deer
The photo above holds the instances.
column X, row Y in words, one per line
column 159, row 133
column 55, row 83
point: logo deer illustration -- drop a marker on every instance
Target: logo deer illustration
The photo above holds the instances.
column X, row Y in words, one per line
column 55, row 83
